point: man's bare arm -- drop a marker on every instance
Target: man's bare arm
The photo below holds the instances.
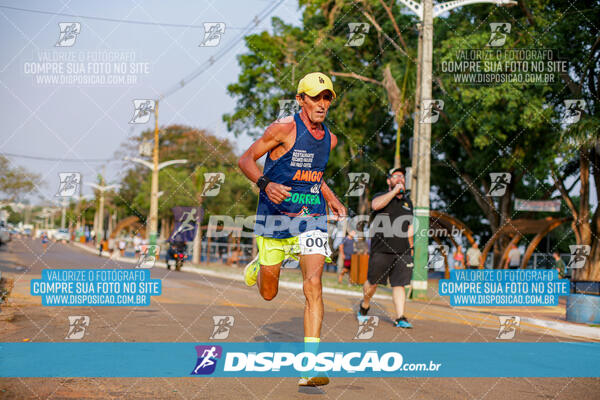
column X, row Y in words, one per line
column 273, row 137
column 383, row 200
column 336, row 206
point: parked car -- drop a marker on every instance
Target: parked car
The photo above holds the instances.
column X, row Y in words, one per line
column 4, row 234
column 62, row 235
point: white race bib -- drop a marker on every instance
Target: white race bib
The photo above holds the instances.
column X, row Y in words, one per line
column 314, row 242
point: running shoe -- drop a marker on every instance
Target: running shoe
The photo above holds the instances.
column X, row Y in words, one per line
column 362, row 312
column 251, row 272
column 402, row 322
column 313, row 381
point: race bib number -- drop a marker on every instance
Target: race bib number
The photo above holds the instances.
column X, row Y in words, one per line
column 314, row 242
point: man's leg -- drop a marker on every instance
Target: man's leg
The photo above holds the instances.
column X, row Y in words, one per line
column 268, row 281
column 312, row 270
column 399, row 297
column 368, row 292
column 400, row 277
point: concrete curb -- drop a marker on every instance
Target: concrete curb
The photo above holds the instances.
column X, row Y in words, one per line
column 563, row 327
column 566, row 328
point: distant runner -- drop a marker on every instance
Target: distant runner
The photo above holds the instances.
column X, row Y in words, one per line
column 292, row 186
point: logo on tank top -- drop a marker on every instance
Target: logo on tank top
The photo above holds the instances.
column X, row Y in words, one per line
column 304, row 212
column 304, row 198
column 302, row 159
column 307, row 176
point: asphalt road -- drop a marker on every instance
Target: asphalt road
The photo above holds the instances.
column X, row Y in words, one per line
column 183, row 313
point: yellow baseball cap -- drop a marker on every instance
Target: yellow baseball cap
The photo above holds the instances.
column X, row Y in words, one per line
column 314, row 83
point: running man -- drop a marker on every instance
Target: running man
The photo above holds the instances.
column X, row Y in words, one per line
column 292, row 186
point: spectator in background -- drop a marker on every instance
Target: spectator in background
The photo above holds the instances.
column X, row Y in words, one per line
column 100, row 248
column 514, row 257
column 137, row 245
column 459, row 258
column 346, row 251
column 473, row 256
column 122, row 245
column 560, row 265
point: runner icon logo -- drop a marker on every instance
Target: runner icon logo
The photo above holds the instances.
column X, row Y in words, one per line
column 499, row 183
column 77, row 326
column 358, row 183
column 437, row 256
column 68, row 33
column 207, row 359
column 574, row 109
column 357, row 35
column 148, row 257
column 223, row 324
column 500, row 31
column 508, row 327
column 212, row 34
column 142, row 110
column 287, row 108
column 366, row 327
column 213, row 180
column 69, row 184
column 430, row 111
column 579, row 254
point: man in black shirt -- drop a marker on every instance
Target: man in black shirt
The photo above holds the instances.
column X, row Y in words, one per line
column 391, row 253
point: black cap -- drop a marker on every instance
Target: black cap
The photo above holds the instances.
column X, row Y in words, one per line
column 394, row 170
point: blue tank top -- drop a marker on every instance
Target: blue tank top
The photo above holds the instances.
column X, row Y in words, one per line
column 302, row 169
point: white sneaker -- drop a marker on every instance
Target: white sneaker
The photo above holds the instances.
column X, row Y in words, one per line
column 313, row 381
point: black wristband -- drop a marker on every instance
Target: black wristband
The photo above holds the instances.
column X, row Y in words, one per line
column 262, row 183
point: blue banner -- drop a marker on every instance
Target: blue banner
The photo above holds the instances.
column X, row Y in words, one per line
column 95, row 287
column 506, row 287
column 282, row 359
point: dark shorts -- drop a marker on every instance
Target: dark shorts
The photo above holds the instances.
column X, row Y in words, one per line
column 383, row 266
column 347, row 263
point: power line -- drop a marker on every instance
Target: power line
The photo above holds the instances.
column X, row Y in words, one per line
column 224, row 50
column 123, row 21
column 59, row 159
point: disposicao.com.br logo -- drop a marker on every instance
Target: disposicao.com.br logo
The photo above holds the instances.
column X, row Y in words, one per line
column 282, row 363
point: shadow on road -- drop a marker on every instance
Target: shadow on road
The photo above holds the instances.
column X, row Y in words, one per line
column 291, row 330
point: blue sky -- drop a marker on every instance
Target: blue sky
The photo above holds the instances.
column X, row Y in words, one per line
column 92, row 122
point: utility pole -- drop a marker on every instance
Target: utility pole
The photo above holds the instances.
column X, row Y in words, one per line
column 421, row 241
column 155, row 166
column 100, row 224
column 63, row 214
column 420, row 179
column 153, row 226
column 416, row 125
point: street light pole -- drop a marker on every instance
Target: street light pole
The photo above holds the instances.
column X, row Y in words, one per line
column 100, row 226
column 155, row 166
column 153, row 226
column 426, row 12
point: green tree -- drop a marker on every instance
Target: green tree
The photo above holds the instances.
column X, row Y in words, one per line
column 182, row 184
column 15, row 181
column 508, row 127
